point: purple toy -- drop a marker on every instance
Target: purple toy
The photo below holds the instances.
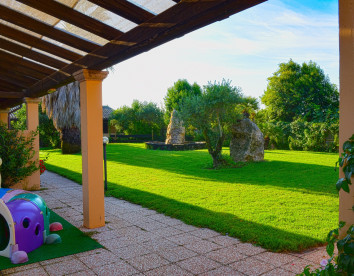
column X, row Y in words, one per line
column 24, row 224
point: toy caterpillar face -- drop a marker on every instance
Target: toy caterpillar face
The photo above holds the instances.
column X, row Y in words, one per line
column 24, row 224
column 29, row 224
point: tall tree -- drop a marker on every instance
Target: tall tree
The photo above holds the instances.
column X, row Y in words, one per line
column 176, row 93
column 140, row 118
column 300, row 91
column 213, row 112
column 63, row 107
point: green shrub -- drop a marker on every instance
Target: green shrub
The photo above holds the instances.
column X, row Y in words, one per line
column 16, row 152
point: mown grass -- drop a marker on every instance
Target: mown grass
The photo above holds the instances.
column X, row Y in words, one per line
column 287, row 203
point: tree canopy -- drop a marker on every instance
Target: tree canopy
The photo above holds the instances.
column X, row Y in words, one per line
column 213, row 112
column 177, row 93
column 300, row 91
column 140, row 118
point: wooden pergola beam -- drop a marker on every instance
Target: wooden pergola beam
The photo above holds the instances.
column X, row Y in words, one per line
column 38, row 43
column 8, row 86
column 160, row 29
column 125, row 9
column 27, row 81
column 5, row 56
column 41, row 28
column 11, row 95
column 74, row 17
column 28, row 53
column 13, row 68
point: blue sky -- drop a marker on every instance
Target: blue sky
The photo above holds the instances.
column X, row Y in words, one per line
column 245, row 48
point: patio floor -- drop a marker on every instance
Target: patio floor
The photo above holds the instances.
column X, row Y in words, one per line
column 139, row 241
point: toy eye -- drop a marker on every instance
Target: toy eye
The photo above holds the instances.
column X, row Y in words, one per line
column 38, row 227
column 25, row 222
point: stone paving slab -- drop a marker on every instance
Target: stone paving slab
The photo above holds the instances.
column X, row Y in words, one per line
column 139, row 241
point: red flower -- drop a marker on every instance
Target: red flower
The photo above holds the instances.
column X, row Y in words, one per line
column 41, row 166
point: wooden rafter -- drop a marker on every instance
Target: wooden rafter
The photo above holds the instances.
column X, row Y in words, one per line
column 5, row 56
column 27, row 52
column 74, row 17
column 25, row 81
column 32, row 72
column 11, row 95
column 162, row 28
column 38, row 43
column 13, row 67
column 125, row 9
column 41, row 28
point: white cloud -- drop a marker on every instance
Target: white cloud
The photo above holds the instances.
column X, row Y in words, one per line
column 246, row 48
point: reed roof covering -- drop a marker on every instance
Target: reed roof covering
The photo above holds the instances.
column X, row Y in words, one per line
column 43, row 42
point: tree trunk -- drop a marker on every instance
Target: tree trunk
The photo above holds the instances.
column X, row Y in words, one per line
column 71, row 140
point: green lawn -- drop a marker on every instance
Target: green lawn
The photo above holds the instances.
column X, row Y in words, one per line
column 289, row 202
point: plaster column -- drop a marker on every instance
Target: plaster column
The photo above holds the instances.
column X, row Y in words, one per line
column 346, row 106
column 31, row 182
column 4, row 116
column 92, row 146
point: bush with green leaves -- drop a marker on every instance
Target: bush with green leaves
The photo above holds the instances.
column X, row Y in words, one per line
column 16, row 152
column 49, row 137
column 343, row 263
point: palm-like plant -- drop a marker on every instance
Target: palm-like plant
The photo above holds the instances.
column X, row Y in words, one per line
column 63, row 107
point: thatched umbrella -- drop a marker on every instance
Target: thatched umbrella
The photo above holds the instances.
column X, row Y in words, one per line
column 63, row 107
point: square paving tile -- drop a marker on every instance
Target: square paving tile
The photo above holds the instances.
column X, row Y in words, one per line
column 171, row 270
column 204, row 233
column 131, row 251
column 252, row 266
column 158, row 244
column 84, row 273
column 226, row 255
column 120, row 268
column 117, row 243
column 185, row 227
column 223, row 271
column 19, row 268
column 202, row 246
column 298, row 265
column 276, row 259
column 183, row 239
column 65, row 267
column 249, row 249
column 147, row 262
column 167, row 231
column 199, row 264
column 176, row 254
column 38, row 271
column 224, row 240
column 99, row 259
column 279, row 272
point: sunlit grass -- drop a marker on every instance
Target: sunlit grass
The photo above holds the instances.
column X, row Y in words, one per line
column 288, row 202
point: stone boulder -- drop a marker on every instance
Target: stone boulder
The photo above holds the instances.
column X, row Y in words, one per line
column 176, row 133
column 247, row 142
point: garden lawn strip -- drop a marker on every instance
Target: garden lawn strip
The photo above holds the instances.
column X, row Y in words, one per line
column 286, row 203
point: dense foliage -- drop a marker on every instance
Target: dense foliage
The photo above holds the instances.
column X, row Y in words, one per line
column 140, row 118
column 48, row 135
column 343, row 262
column 213, row 112
column 301, row 91
column 16, row 152
column 302, row 109
column 177, row 93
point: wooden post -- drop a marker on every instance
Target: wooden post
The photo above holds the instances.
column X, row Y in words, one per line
column 346, row 106
column 4, row 116
column 92, row 146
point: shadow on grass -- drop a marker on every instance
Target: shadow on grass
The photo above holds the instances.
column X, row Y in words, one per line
column 309, row 178
column 263, row 235
column 266, row 236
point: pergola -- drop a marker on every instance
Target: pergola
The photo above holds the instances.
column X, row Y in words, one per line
column 45, row 44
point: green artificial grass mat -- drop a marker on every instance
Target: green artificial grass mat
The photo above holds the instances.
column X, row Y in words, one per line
column 73, row 241
column 286, row 203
